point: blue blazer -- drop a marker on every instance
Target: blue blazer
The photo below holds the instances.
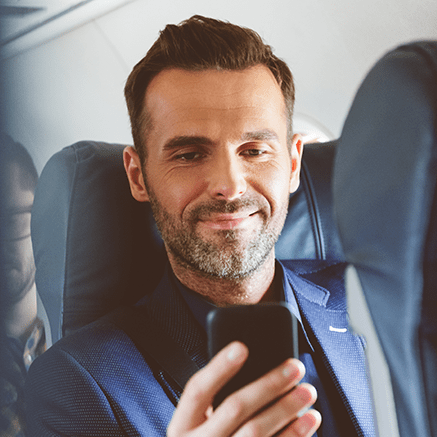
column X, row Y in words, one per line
column 96, row 383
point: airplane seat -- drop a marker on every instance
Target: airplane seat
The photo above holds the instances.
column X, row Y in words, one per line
column 385, row 204
column 96, row 248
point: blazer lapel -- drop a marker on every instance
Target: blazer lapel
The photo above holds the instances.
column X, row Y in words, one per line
column 326, row 315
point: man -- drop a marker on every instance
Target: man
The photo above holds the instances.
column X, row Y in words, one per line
column 21, row 332
column 211, row 110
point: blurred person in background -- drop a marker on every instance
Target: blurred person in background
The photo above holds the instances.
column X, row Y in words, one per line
column 21, row 331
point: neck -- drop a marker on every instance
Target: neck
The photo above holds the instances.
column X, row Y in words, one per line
column 223, row 292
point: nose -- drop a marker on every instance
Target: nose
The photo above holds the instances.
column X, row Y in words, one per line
column 227, row 178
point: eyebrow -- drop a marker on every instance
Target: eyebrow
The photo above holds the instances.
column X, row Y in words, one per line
column 260, row 135
column 187, row 140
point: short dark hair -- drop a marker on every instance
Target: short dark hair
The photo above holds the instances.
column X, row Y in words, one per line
column 199, row 44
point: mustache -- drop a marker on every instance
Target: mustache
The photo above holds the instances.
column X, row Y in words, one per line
column 225, row 207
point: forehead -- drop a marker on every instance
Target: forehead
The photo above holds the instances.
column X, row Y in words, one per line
column 178, row 96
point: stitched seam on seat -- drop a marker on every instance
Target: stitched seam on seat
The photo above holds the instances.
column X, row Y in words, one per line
column 71, row 204
column 312, row 209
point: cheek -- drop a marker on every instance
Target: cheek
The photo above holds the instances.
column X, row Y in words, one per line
column 176, row 190
column 274, row 184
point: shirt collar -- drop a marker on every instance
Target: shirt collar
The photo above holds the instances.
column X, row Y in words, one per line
column 198, row 305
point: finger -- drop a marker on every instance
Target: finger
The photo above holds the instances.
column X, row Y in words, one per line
column 281, row 413
column 204, row 385
column 237, row 408
column 304, row 426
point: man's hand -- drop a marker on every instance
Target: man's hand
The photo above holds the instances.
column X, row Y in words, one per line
column 262, row 408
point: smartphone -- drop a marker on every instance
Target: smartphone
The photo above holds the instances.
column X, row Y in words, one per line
column 270, row 331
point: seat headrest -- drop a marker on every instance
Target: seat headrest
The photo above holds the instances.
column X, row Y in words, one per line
column 384, row 191
column 92, row 241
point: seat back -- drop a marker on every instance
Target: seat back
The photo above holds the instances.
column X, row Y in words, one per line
column 385, row 204
column 96, row 248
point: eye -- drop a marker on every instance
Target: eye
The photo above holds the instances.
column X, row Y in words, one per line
column 190, row 156
column 253, row 152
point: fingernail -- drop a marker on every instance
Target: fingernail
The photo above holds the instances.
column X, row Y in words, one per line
column 288, row 370
column 306, row 394
column 234, row 352
column 304, row 425
column 291, row 368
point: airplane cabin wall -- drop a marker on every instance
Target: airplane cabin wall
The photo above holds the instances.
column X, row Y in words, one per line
column 71, row 87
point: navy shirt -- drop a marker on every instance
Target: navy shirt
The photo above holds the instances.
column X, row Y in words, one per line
column 200, row 308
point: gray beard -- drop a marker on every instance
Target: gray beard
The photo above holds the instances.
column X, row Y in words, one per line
column 225, row 261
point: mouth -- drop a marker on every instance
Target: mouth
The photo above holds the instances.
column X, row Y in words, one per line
column 227, row 221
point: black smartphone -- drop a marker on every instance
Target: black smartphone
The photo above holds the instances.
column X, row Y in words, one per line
column 270, row 331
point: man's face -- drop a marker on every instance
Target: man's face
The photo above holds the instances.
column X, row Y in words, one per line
column 218, row 171
column 17, row 268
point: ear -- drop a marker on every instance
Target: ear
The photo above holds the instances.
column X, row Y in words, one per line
column 296, row 161
column 132, row 165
